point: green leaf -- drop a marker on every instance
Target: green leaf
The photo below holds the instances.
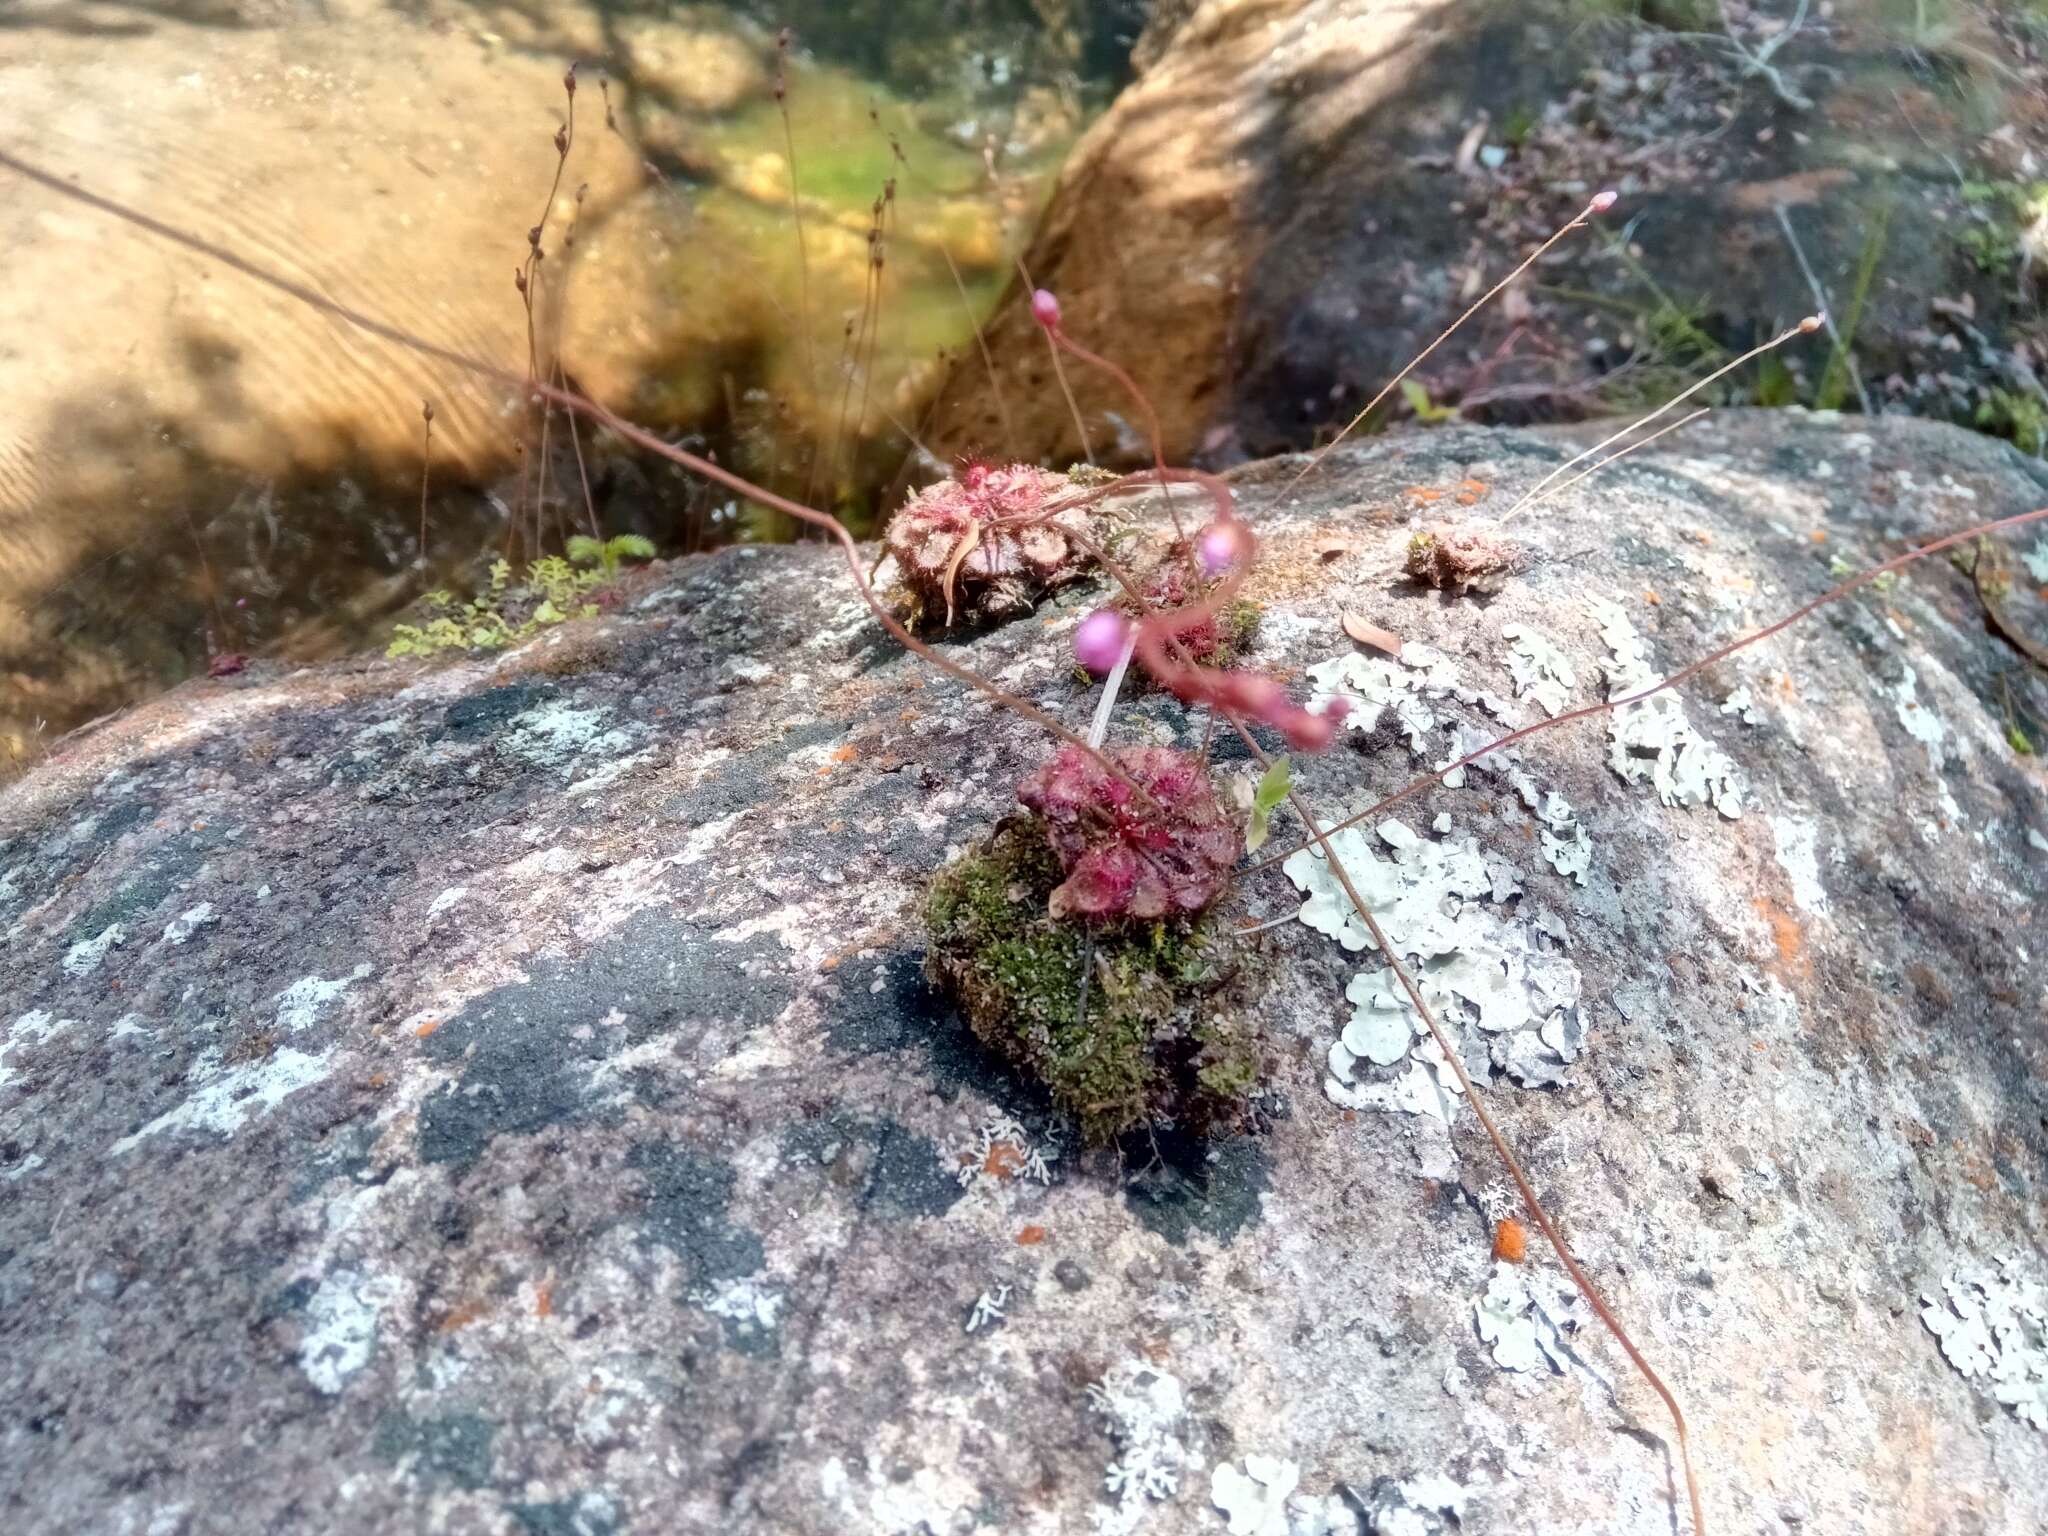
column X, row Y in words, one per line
column 2017, row 739
column 1425, row 409
column 585, row 550
column 1272, row 790
column 1273, row 785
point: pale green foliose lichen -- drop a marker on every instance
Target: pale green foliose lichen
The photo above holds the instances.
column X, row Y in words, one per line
column 1652, row 740
column 1497, row 982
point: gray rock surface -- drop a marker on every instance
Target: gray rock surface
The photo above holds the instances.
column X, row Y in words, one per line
column 503, row 1097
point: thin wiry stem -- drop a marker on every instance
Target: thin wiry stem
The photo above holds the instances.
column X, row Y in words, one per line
column 1682, row 675
column 1149, row 619
column 1320, row 835
column 988, row 360
column 1805, row 327
column 426, row 457
column 1058, row 368
column 1130, row 387
column 598, row 414
column 1620, row 453
column 582, row 472
column 1600, row 204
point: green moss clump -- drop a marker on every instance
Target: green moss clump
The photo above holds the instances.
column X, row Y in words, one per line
column 1165, row 1039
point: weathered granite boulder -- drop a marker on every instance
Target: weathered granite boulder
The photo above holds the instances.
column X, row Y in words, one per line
column 504, row 1097
column 1296, row 196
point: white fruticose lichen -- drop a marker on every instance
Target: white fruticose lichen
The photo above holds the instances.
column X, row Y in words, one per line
column 988, row 1308
column 1993, row 1326
column 1520, row 1328
column 1652, row 739
column 975, row 1169
column 1254, row 1501
column 1145, row 1407
column 1541, row 671
column 1500, row 986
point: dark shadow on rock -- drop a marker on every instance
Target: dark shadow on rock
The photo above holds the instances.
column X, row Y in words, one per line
column 1182, row 1184
column 525, row 1052
column 899, row 1171
column 910, row 1014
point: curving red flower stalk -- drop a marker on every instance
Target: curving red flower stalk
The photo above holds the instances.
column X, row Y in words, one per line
column 1166, row 853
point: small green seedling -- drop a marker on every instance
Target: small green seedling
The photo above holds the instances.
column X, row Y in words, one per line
column 611, row 554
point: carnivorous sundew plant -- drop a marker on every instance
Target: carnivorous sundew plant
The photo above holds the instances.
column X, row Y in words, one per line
column 1088, row 938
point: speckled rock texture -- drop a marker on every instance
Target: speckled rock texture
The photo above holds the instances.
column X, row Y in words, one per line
column 504, row 1097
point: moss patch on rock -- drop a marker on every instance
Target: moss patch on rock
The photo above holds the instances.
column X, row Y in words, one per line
column 1166, row 1037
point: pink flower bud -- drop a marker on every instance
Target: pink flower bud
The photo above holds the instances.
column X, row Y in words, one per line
column 1100, row 639
column 1310, row 733
column 1219, row 547
column 1046, row 309
column 1602, row 201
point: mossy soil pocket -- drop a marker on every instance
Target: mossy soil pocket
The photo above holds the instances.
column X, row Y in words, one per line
column 1167, row 1036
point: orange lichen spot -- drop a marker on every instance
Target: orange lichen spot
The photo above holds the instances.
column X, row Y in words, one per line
column 1650, row 596
column 426, row 1029
column 1422, row 493
column 831, row 961
column 846, row 753
column 378, row 1079
column 544, row 1299
column 1758, row 1045
column 1789, row 938
column 198, row 826
column 1510, row 1242
column 461, row 1317
column 1005, row 1160
column 1030, row 1237
column 1819, row 535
